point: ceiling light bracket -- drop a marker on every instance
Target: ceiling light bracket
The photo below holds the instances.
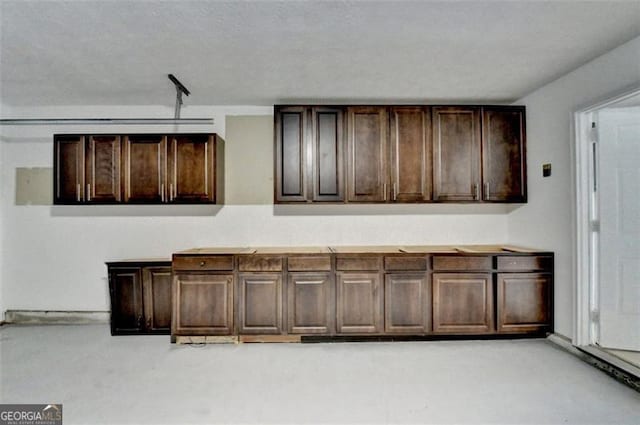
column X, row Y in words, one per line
column 180, row 89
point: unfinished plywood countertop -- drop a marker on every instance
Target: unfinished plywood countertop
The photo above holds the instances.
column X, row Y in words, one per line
column 366, row 249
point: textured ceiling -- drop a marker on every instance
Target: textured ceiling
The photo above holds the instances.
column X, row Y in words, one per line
column 265, row 52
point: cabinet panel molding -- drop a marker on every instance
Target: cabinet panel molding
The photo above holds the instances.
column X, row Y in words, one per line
column 367, row 142
column 462, row 302
column 411, row 163
column 359, row 303
column 503, row 154
column 311, row 309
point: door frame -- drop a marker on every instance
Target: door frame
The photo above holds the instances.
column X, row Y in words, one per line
column 586, row 306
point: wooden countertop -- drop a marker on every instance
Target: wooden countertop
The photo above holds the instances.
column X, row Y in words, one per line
column 370, row 249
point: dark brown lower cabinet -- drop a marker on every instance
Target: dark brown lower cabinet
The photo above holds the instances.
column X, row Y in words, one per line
column 372, row 292
column 407, row 303
column 524, row 302
column 462, row 302
column 310, row 305
column 140, row 297
column 359, row 303
column 204, row 304
column 260, row 303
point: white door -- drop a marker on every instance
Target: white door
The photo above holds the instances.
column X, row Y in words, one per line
column 618, row 190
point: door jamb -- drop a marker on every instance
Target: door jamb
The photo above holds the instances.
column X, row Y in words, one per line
column 585, row 307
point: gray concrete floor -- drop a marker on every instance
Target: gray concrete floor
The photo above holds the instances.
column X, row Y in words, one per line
column 146, row 380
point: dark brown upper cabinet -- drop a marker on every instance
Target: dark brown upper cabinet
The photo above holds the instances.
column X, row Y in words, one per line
column 367, row 143
column 400, row 154
column 410, row 135
column 503, row 154
column 309, row 154
column 456, row 153
column 138, row 168
column 86, row 169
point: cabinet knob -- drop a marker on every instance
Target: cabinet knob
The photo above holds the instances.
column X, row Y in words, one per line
column 202, row 263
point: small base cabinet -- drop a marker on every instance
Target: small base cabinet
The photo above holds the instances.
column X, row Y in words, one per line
column 140, row 297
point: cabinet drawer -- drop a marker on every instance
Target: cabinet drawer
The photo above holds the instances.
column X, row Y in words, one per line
column 461, row 263
column 218, row 262
column 405, row 263
column 315, row 263
column 259, row 263
column 358, row 263
column 516, row 263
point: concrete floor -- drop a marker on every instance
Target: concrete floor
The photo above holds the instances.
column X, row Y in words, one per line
column 146, row 380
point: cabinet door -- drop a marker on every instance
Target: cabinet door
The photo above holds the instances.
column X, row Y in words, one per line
column 327, row 153
column 103, row 169
column 156, row 285
column 309, row 303
column 202, row 304
column 456, row 153
column 260, row 303
column 407, row 303
column 291, row 154
column 144, row 158
column 191, row 175
column 503, row 154
column 462, row 302
column 524, row 302
column 125, row 286
column 411, row 174
column 368, row 129
column 68, row 166
column 358, row 303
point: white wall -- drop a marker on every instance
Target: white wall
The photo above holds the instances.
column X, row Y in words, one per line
column 55, row 255
column 547, row 221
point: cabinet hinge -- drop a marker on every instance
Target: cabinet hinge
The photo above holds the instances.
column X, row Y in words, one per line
column 594, row 316
column 593, row 132
column 595, row 225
